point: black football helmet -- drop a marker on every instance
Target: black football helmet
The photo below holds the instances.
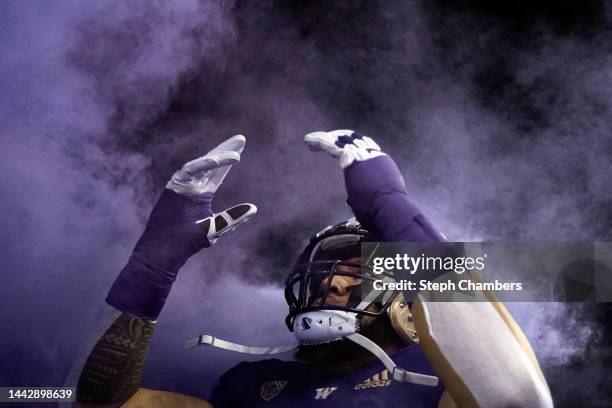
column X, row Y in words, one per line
column 334, row 246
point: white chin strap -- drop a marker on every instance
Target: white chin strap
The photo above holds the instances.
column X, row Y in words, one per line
column 399, row 374
column 208, row 340
column 319, row 327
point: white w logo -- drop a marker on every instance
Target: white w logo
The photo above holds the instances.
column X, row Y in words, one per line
column 323, row 393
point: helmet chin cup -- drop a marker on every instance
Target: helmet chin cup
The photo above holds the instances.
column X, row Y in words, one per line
column 324, row 326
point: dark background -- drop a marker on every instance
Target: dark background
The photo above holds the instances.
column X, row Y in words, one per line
column 498, row 114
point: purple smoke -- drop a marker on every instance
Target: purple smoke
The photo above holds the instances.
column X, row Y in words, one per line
column 499, row 138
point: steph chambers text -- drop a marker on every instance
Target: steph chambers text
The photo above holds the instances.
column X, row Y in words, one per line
column 450, row 285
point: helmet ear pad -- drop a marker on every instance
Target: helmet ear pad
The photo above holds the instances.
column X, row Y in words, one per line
column 402, row 321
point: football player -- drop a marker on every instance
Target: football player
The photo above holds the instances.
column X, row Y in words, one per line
column 475, row 348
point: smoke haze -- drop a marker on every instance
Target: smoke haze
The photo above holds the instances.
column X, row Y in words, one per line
column 498, row 118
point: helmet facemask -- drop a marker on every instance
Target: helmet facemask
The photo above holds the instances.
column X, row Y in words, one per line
column 337, row 253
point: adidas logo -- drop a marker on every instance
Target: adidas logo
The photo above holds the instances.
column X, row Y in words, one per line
column 377, row 380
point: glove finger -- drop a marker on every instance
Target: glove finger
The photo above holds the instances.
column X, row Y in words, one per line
column 234, row 144
column 197, row 167
column 226, row 221
column 370, row 143
column 317, row 141
column 352, row 149
column 215, row 177
column 360, row 143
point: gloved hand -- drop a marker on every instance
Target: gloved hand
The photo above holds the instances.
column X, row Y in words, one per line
column 375, row 188
column 346, row 145
column 181, row 223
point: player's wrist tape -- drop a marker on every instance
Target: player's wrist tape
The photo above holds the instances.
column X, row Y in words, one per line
column 170, row 238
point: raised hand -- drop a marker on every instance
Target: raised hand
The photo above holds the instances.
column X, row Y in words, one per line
column 181, row 223
column 205, row 174
column 346, row 145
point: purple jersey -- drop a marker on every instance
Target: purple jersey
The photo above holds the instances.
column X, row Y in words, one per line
column 276, row 383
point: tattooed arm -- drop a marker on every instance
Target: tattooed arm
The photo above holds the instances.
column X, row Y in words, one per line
column 112, row 373
column 181, row 223
column 113, row 370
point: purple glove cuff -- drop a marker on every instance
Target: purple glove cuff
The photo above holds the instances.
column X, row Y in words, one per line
column 170, row 238
column 377, row 194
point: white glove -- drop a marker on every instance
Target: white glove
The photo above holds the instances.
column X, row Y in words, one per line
column 204, row 175
column 346, row 145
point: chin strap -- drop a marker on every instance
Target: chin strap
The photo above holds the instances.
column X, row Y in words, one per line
column 208, row 340
column 399, row 374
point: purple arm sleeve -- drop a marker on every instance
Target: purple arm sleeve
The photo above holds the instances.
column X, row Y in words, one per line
column 377, row 194
column 170, row 238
